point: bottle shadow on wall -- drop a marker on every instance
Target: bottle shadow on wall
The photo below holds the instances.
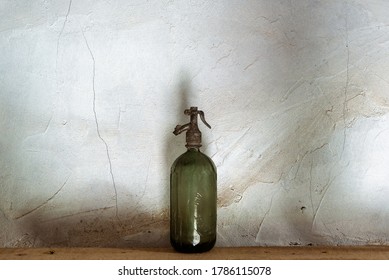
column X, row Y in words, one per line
column 174, row 146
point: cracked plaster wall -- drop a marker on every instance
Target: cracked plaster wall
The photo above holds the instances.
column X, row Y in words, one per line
column 297, row 93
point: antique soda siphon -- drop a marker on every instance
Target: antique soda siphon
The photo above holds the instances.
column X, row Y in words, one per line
column 193, row 192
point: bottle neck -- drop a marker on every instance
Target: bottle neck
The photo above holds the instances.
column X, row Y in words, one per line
column 193, row 137
column 193, row 149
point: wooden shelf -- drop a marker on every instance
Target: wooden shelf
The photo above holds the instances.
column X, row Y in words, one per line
column 231, row 253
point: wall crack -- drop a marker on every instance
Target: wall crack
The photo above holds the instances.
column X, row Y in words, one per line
column 266, row 214
column 62, row 29
column 98, row 127
column 44, row 203
column 345, row 108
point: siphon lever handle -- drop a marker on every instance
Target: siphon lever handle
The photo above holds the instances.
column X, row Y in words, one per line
column 192, row 125
column 201, row 113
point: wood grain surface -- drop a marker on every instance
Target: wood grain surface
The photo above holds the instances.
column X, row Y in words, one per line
column 230, row 253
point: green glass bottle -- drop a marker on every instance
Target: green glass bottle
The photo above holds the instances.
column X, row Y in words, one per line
column 193, row 193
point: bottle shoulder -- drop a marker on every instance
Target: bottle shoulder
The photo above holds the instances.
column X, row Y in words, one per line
column 196, row 157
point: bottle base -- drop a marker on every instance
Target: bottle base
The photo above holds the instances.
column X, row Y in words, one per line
column 189, row 248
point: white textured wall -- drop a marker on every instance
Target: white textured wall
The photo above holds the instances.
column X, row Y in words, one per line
column 297, row 93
